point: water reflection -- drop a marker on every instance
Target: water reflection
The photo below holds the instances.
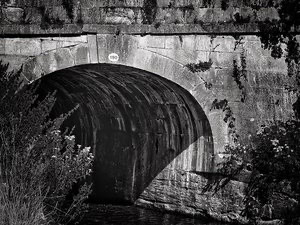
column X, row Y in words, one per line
column 131, row 215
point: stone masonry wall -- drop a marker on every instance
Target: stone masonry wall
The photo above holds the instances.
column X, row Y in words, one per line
column 143, row 16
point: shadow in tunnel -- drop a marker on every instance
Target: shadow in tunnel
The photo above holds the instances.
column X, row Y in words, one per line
column 136, row 122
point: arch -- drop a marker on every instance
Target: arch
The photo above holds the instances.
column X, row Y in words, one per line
column 137, row 123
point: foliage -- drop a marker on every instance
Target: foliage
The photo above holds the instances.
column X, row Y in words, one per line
column 199, row 67
column 228, row 116
column 69, row 7
column 149, row 11
column 240, row 72
column 276, row 34
column 224, row 4
column 48, row 21
column 42, row 170
column 207, row 3
column 273, row 158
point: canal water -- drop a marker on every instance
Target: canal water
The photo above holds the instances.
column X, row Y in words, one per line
column 132, row 215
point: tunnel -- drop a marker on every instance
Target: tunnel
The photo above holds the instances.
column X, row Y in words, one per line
column 135, row 121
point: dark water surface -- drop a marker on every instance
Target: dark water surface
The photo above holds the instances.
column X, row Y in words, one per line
column 132, row 215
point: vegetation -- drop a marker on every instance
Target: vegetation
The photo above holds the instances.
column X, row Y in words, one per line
column 240, row 72
column 200, row 66
column 149, row 11
column 42, row 170
column 272, row 157
column 69, row 7
column 273, row 162
column 48, row 21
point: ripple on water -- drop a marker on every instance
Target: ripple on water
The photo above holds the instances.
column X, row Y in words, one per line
column 132, row 215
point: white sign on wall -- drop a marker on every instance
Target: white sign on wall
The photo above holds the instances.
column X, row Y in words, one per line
column 114, row 57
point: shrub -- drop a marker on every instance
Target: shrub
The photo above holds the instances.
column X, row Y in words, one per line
column 40, row 166
column 273, row 160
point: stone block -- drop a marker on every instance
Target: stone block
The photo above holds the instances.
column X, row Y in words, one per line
column 13, row 15
column 92, row 3
column 251, row 38
column 222, row 59
column 227, row 15
column 48, row 45
column 24, row 46
column 173, row 42
column 14, row 62
column 189, row 42
column 119, row 16
column 32, row 70
column 64, row 58
column 81, row 55
column 223, row 44
column 155, row 42
column 248, row 14
column 92, row 48
column 202, row 56
column 218, row 15
column 163, row 3
column 2, row 46
column 47, row 62
column 267, row 13
column 204, row 15
column 91, row 15
column 102, row 40
column 203, row 42
column 183, row 3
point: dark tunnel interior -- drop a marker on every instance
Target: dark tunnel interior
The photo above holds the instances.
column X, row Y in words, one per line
column 135, row 121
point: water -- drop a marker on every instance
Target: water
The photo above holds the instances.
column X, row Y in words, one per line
column 132, row 215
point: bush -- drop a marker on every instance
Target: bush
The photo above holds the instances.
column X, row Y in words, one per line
column 42, row 170
column 273, row 160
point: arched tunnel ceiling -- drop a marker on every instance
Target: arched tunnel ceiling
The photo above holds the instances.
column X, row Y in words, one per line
column 135, row 121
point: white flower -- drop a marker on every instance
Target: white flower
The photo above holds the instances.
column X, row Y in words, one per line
column 53, row 157
column 71, row 137
column 56, row 132
column 86, row 150
column 275, row 142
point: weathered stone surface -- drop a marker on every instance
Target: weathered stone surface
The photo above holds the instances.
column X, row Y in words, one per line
column 2, row 46
column 48, row 45
column 47, row 62
column 182, row 191
column 32, row 70
column 25, row 46
column 92, row 48
column 238, row 16
column 81, row 53
column 64, row 58
column 13, row 15
column 119, row 16
column 14, row 62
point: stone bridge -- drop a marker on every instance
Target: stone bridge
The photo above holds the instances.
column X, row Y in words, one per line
column 149, row 118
